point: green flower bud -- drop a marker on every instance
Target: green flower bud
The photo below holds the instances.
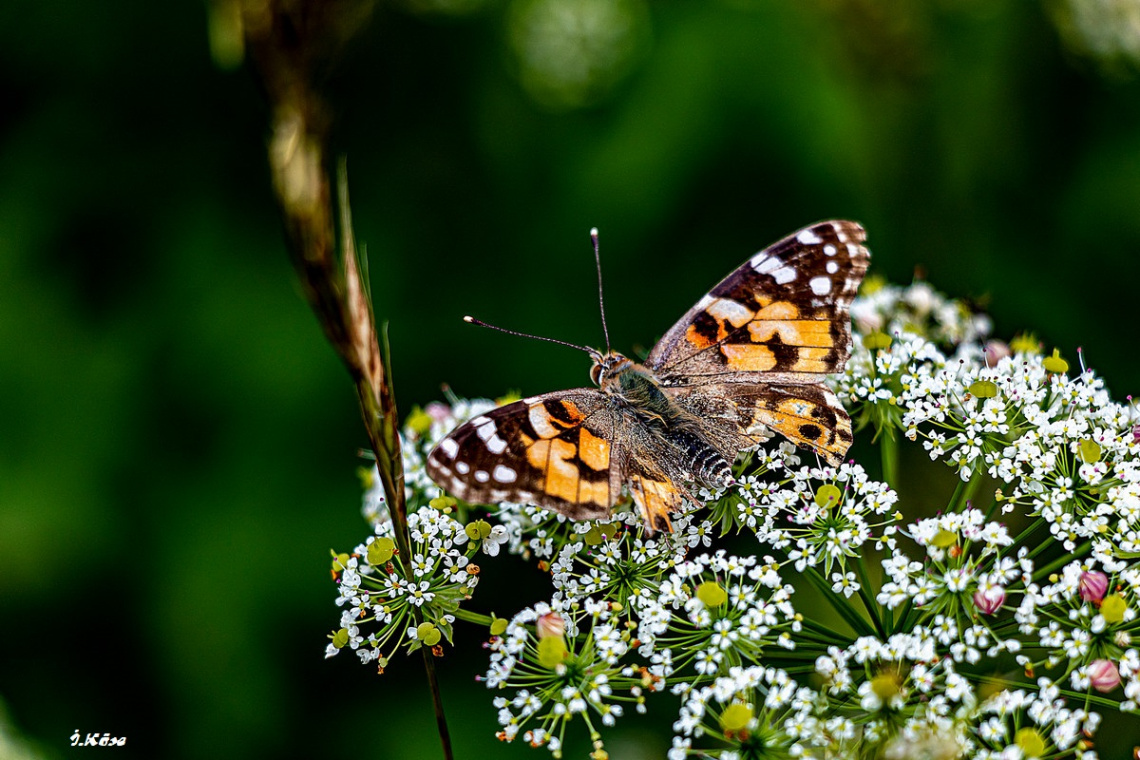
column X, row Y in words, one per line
column 340, row 638
column 498, row 626
column 872, row 284
column 599, row 533
column 1055, row 363
column 339, row 561
column 428, row 634
column 1025, row 343
column 1030, row 742
column 828, row 496
column 885, row 686
column 983, row 389
column 1113, row 607
column 712, row 594
column 1089, row 451
column 551, row 652
column 477, row 530
column 877, row 341
column 443, row 503
column 380, row 551
column 418, row 421
column 944, row 539
column 735, row 717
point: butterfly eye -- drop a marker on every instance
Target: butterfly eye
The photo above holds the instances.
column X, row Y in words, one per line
column 596, row 374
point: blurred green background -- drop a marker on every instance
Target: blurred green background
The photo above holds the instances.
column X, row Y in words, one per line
column 178, row 442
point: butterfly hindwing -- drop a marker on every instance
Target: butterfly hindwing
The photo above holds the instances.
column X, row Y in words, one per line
column 782, row 316
column 555, row 450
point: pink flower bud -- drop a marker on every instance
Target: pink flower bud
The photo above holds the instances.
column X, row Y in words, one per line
column 1103, row 675
column 437, row 411
column 1093, row 585
column 550, row 624
column 994, row 351
column 989, row 600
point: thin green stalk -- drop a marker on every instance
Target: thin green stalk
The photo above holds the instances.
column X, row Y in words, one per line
column 869, row 602
column 889, row 451
column 473, row 617
column 849, row 614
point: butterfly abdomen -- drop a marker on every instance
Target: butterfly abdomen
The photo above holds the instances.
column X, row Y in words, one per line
column 705, row 463
column 676, row 426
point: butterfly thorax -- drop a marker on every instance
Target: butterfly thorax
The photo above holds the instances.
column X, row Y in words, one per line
column 638, row 390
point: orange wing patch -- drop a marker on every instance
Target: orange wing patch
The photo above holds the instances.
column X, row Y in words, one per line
column 813, row 360
column 558, row 459
column 793, row 332
column 655, row 499
column 593, row 451
column 803, row 422
column 748, row 357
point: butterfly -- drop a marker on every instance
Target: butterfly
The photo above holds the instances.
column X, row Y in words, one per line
column 748, row 360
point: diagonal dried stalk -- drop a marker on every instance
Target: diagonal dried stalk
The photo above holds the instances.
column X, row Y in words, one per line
column 286, row 41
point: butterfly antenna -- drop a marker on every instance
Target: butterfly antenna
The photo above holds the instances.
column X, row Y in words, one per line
column 601, row 298
column 481, row 323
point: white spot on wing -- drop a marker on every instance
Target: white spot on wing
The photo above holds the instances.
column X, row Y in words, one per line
column 504, row 474
column 728, row 310
column 481, row 419
column 496, row 445
column 832, row 267
column 462, row 468
column 449, row 447
column 482, row 476
column 820, row 285
column 829, row 250
column 784, row 275
column 764, row 263
column 807, row 237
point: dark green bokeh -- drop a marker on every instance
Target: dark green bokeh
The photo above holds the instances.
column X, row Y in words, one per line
column 178, row 441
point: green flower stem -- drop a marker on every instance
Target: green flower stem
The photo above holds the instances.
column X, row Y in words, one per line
column 869, row 602
column 473, row 617
column 825, row 633
column 889, row 450
column 1064, row 559
column 972, row 486
column 840, row 604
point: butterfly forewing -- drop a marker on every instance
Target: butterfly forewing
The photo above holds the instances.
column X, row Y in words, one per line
column 780, row 317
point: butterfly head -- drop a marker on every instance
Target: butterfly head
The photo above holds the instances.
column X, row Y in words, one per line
column 607, row 366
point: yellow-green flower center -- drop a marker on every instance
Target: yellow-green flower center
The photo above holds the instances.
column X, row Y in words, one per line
column 428, row 634
column 1089, row 451
column 735, row 717
column 1113, row 607
column 712, row 594
column 1055, row 363
column 983, row 389
column 551, row 651
column 380, row 551
column 828, row 496
column 1030, row 742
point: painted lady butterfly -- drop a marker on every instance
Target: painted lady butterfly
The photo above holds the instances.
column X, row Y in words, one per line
column 750, row 358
